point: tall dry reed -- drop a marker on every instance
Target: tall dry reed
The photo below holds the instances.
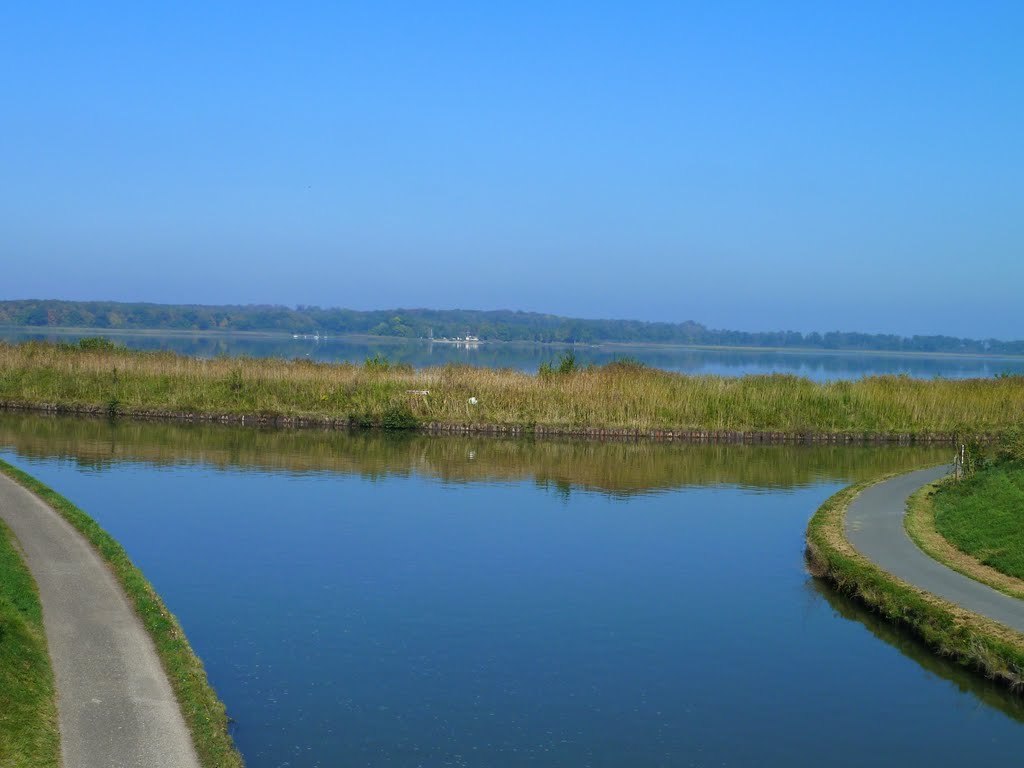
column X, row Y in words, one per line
column 611, row 397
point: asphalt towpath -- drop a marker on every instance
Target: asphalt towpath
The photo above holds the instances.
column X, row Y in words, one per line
column 115, row 705
column 874, row 526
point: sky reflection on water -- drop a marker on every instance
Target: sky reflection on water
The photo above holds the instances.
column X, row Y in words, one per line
column 365, row 600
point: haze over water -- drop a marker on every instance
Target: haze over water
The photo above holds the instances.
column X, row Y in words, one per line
column 362, row 599
column 816, row 365
column 806, row 166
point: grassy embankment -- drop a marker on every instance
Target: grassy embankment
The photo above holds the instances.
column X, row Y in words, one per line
column 976, row 525
column 984, row 517
column 29, row 736
column 948, row 629
column 621, row 397
column 202, row 709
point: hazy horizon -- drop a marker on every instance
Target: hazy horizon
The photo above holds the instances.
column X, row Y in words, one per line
column 411, row 308
column 798, row 167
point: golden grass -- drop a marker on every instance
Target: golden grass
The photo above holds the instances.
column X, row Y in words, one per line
column 618, row 397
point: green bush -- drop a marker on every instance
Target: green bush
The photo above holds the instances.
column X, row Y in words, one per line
column 975, row 457
column 1010, row 447
column 399, row 417
column 97, row 343
column 565, row 365
column 377, row 363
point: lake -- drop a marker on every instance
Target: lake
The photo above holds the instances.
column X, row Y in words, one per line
column 816, row 365
column 362, row 599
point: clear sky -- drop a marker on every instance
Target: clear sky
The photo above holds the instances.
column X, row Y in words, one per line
column 809, row 166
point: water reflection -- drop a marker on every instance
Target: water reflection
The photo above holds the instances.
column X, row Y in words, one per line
column 616, row 468
column 965, row 680
column 368, row 599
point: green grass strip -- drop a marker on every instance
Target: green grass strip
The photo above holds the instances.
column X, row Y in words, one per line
column 983, row 516
column 29, row 735
column 202, row 709
column 948, row 629
column 920, row 526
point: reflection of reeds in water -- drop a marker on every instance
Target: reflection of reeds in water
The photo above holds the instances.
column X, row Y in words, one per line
column 616, row 396
column 966, row 680
column 612, row 467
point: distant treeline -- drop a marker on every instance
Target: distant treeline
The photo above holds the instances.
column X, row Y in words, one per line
column 500, row 325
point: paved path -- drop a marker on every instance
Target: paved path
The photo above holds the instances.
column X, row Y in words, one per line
column 115, row 705
column 874, row 525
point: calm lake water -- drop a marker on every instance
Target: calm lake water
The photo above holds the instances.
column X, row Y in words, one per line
column 820, row 366
column 367, row 600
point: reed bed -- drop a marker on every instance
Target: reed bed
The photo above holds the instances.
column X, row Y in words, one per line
column 618, row 396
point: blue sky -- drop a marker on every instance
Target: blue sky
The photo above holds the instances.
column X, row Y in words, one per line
column 812, row 166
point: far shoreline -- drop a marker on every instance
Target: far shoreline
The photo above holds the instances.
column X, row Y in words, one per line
column 624, row 346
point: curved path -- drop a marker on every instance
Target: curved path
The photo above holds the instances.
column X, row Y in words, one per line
column 115, row 704
column 874, row 525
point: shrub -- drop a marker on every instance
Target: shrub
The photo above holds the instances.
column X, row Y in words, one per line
column 975, row 457
column 377, row 363
column 399, row 417
column 97, row 343
column 565, row 365
column 1010, row 447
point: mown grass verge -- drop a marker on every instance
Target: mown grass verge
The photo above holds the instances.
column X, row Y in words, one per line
column 972, row 640
column 29, row 734
column 983, row 516
column 202, row 709
column 625, row 396
column 920, row 523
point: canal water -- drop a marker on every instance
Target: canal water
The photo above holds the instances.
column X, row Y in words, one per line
column 816, row 365
column 360, row 599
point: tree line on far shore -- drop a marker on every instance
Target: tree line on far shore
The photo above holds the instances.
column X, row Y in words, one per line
column 498, row 325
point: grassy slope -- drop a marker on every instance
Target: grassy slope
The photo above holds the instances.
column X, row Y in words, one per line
column 983, row 516
column 203, row 711
column 920, row 525
column 948, row 629
column 625, row 397
column 29, row 736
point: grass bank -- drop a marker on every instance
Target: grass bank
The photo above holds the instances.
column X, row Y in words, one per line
column 29, row 735
column 976, row 538
column 624, row 398
column 983, row 517
column 202, row 709
column 948, row 629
